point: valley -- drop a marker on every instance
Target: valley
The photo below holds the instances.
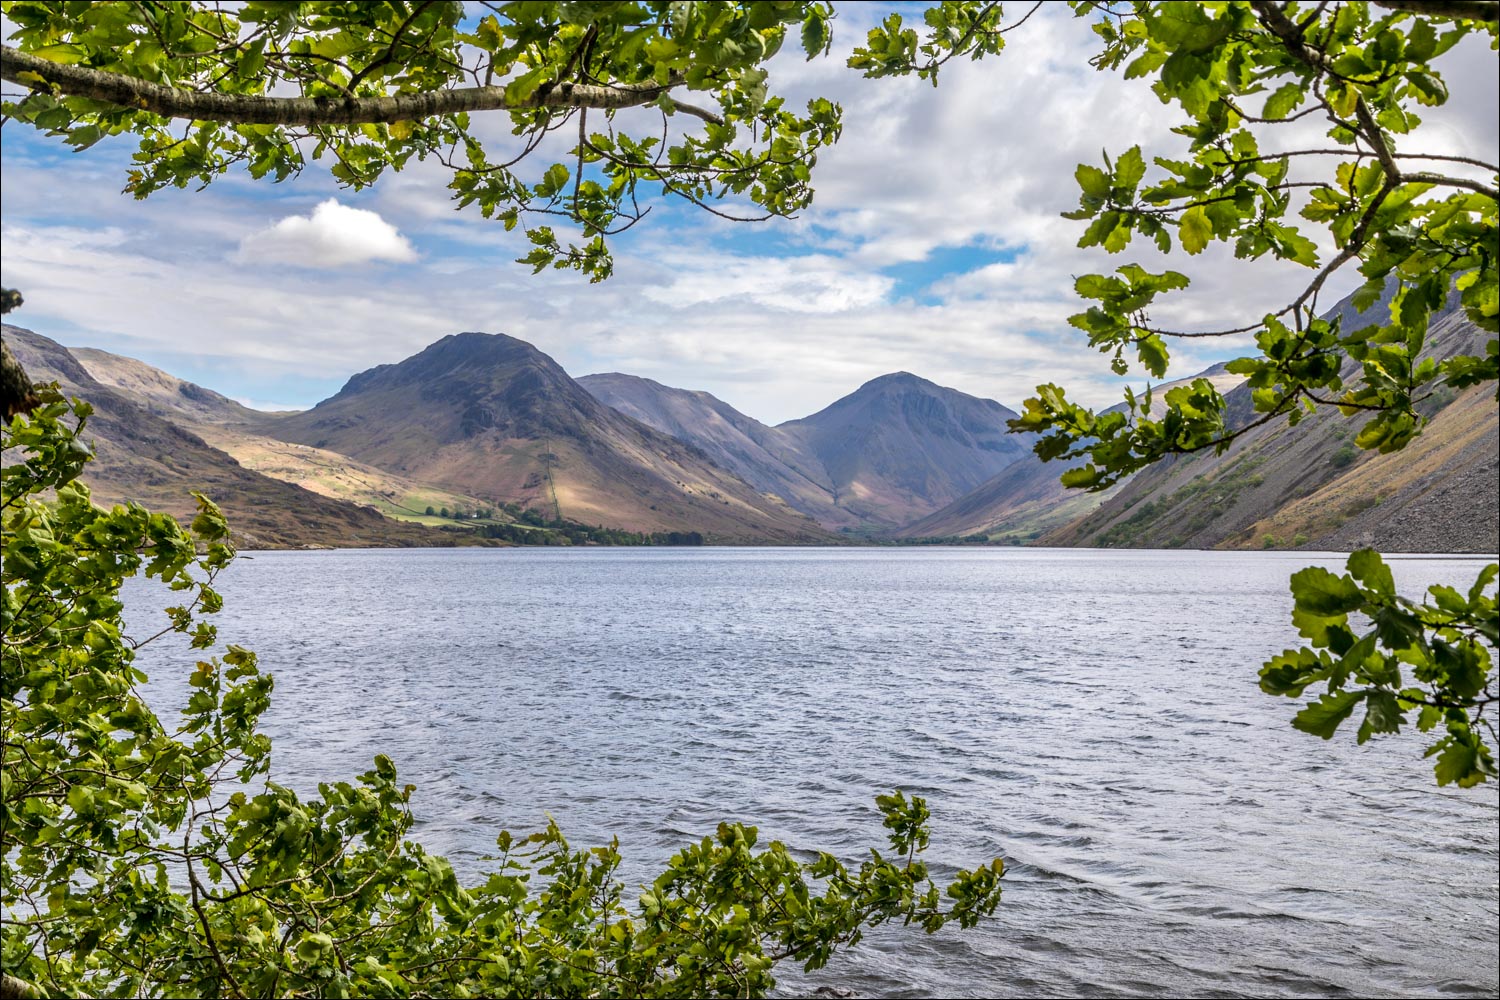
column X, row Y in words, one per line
column 483, row 439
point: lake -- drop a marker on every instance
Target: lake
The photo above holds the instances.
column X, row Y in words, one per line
column 1092, row 716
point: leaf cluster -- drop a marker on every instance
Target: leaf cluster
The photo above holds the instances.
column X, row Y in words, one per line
column 1398, row 656
column 1422, row 233
column 142, row 858
column 545, row 64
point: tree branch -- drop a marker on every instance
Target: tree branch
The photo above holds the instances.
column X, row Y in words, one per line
column 253, row 109
column 12, row 988
column 1487, row 11
column 1443, row 180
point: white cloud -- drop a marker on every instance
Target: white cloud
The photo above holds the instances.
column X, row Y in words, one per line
column 807, row 284
column 334, row 235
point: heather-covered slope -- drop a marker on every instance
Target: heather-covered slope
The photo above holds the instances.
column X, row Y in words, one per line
column 491, row 415
column 141, row 456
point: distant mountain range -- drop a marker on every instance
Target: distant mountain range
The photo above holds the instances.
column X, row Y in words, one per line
column 896, row 449
column 477, row 421
column 143, row 456
column 495, row 417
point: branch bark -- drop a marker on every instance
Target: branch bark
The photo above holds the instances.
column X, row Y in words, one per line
column 12, row 988
column 15, row 390
column 253, row 109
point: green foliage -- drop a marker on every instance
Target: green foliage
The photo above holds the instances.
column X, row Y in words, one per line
column 141, row 859
column 1239, row 73
column 1398, row 657
column 1386, row 214
column 546, row 66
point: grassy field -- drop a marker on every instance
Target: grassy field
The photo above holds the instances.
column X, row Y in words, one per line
column 333, row 475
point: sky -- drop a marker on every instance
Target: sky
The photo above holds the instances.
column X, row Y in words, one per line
column 935, row 246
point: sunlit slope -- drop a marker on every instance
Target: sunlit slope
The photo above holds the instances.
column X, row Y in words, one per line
column 1436, row 495
column 161, row 393
column 143, row 457
column 1309, row 486
column 231, row 427
column 491, row 416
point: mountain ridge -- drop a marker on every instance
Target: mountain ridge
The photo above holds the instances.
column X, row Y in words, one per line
column 1284, row 486
column 141, row 456
column 896, row 448
column 475, row 419
column 494, row 416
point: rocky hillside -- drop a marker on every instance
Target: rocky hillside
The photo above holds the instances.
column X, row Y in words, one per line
column 765, row 457
column 900, row 447
column 1309, row 486
column 1438, row 494
column 1027, row 500
column 895, row 449
column 165, row 395
column 143, row 457
column 492, row 416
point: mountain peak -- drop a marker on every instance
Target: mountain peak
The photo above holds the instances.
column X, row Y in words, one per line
column 471, row 354
column 495, row 418
column 898, row 380
column 478, row 346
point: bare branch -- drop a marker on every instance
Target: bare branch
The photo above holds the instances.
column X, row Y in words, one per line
column 254, row 109
column 1443, row 180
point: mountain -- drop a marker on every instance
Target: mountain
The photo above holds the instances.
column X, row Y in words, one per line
column 234, row 429
column 162, row 394
column 1027, row 500
column 900, row 447
column 141, row 456
column 493, row 416
column 765, row 457
column 1309, row 486
column 893, row 450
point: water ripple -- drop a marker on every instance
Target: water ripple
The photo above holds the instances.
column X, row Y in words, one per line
column 1091, row 716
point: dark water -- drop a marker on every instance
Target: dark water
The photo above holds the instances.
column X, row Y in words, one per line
column 1091, row 716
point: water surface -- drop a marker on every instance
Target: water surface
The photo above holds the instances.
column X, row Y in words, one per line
column 1092, row 716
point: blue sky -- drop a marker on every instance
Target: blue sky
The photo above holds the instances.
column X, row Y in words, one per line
column 935, row 246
